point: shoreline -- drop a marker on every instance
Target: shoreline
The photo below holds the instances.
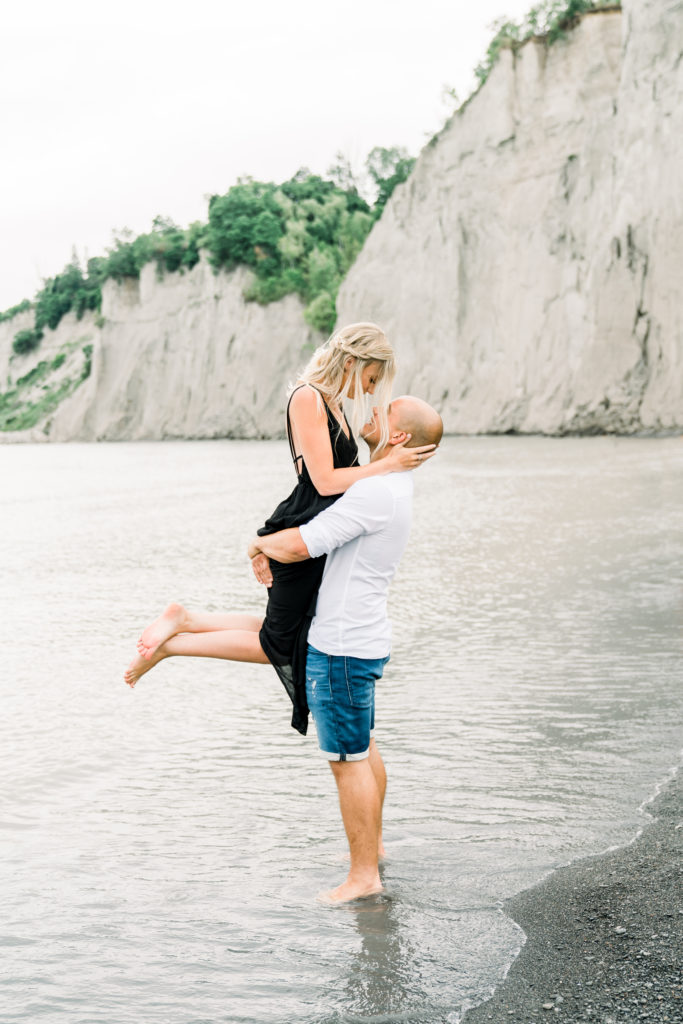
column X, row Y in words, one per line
column 37, row 435
column 604, row 935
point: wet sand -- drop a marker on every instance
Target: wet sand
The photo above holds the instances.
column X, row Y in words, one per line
column 604, row 935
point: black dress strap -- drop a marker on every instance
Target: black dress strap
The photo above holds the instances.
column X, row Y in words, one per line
column 296, row 459
column 332, row 421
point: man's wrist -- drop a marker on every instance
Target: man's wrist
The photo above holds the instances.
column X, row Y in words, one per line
column 253, row 550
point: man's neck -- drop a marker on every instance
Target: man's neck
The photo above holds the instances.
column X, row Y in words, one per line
column 380, row 453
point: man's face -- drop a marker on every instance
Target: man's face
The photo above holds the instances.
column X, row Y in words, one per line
column 370, row 431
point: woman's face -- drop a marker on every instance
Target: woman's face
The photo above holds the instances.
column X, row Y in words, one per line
column 369, row 377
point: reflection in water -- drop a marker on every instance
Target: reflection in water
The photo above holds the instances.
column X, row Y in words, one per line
column 384, row 975
column 165, row 845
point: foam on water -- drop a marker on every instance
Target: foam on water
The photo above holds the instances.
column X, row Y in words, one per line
column 163, row 846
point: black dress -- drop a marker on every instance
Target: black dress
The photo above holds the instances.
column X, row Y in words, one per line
column 292, row 597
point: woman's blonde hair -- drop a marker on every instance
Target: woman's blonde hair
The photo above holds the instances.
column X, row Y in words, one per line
column 365, row 343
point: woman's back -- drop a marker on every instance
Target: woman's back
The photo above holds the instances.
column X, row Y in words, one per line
column 304, row 502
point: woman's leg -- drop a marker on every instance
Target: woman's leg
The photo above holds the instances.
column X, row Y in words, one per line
column 227, row 644
column 177, row 619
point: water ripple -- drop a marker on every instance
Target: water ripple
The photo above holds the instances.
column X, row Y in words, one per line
column 163, row 846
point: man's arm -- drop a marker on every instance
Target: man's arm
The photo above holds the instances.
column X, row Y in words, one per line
column 283, row 546
column 364, row 508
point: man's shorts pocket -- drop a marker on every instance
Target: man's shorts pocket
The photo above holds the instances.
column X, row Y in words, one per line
column 318, row 689
column 361, row 675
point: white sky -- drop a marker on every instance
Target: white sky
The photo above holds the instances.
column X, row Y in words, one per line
column 113, row 113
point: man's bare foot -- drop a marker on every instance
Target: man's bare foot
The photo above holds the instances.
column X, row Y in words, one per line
column 170, row 622
column 350, row 890
column 140, row 665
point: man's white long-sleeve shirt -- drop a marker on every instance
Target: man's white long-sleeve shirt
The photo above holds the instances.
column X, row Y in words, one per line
column 363, row 534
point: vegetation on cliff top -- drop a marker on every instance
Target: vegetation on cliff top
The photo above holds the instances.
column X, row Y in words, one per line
column 13, row 311
column 78, row 290
column 298, row 237
column 549, row 20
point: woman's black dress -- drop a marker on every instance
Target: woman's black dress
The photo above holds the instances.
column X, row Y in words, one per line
column 292, row 597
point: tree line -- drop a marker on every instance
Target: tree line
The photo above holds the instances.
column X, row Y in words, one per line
column 549, row 20
column 300, row 236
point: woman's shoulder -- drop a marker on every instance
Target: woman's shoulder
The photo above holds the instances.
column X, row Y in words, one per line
column 306, row 399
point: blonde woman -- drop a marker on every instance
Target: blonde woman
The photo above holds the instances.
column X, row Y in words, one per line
column 357, row 360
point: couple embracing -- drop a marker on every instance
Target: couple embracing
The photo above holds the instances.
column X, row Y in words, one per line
column 327, row 556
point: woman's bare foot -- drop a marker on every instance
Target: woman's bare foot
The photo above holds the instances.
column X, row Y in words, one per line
column 350, row 890
column 171, row 621
column 140, row 665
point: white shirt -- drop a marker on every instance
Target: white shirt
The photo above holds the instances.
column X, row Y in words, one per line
column 363, row 534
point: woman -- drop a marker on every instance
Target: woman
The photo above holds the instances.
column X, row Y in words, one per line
column 356, row 360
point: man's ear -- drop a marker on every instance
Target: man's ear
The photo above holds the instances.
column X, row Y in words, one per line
column 398, row 437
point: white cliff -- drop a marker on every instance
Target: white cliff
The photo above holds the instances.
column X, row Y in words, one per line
column 180, row 356
column 528, row 272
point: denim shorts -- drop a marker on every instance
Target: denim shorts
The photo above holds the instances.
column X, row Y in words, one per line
column 341, row 697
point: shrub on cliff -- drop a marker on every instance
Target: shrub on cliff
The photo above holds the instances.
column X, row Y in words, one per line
column 548, row 20
column 68, row 290
column 300, row 236
column 26, row 341
column 387, row 168
column 13, row 311
column 172, row 247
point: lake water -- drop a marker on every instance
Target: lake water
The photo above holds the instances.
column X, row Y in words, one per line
column 162, row 847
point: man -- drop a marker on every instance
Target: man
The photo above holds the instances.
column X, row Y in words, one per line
column 363, row 535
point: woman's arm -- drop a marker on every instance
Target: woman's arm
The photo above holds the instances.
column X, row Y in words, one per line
column 312, row 440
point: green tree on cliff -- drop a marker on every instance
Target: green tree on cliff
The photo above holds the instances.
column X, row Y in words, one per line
column 387, row 169
column 300, row 237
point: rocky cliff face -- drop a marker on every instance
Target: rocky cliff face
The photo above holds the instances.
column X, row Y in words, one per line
column 528, row 273
column 181, row 356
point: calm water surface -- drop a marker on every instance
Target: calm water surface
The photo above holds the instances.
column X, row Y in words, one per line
column 162, row 847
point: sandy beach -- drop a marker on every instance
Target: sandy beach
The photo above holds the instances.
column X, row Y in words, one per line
column 604, row 935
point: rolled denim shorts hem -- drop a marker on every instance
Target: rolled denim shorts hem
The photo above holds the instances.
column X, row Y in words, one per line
column 329, row 756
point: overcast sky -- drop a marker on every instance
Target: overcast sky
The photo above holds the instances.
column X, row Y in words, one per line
column 113, row 113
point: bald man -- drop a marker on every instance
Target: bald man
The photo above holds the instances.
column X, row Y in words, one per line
column 363, row 535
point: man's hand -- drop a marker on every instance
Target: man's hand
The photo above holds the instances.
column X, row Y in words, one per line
column 261, row 566
column 284, row 546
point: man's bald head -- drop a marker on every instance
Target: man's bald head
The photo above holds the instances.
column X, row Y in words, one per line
column 405, row 415
column 417, row 418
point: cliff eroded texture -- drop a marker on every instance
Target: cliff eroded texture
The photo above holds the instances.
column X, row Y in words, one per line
column 180, row 356
column 529, row 271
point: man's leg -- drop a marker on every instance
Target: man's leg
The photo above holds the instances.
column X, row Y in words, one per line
column 341, row 697
column 361, row 806
column 380, row 773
